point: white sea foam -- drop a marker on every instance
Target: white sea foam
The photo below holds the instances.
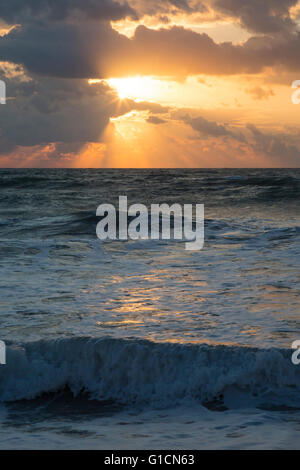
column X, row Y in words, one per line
column 137, row 371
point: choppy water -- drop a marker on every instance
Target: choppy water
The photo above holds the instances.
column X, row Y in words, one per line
column 141, row 326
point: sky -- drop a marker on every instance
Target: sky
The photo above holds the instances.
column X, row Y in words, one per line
column 149, row 83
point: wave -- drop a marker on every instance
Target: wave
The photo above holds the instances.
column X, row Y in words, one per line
column 22, row 181
column 166, row 182
column 136, row 371
column 82, row 223
column 37, row 178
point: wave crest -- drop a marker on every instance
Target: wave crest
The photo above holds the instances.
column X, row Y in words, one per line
column 134, row 371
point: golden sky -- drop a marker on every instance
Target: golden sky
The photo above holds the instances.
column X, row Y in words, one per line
column 146, row 83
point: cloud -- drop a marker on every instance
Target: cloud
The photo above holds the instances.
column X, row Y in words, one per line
column 211, row 128
column 259, row 93
column 65, row 50
column 267, row 16
column 277, row 146
column 42, row 111
column 156, row 120
column 277, row 149
column 98, row 51
column 178, row 51
column 61, row 122
column 59, row 44
column 128, row 105
column 171, row 7
column 24, row 12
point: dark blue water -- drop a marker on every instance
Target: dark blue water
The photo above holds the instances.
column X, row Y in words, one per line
column 146, row 324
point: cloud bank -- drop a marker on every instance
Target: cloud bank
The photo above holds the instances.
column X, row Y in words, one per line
column 52, row 47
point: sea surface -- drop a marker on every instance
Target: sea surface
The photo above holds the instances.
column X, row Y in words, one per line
column 143, row 344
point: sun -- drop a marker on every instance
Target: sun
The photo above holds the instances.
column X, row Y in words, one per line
column 137, row 88
column 142, row 88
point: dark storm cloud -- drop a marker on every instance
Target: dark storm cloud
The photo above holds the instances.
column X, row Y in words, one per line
column 95, row 50
column 48, row 110
column 65, row 50
column 268, row 16
column 178, row 51
column 259, row 16
column 27, row 11
column 71, row 112
column 167, row 7
column 262, row 16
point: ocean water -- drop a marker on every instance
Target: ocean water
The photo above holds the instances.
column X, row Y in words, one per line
column 142, row 344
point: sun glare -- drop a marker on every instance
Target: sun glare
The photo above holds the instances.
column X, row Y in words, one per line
column 137, row 88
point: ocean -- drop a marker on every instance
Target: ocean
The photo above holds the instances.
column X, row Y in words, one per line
column 141, row 344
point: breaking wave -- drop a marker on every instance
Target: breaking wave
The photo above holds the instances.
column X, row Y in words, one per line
column 131, row 371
